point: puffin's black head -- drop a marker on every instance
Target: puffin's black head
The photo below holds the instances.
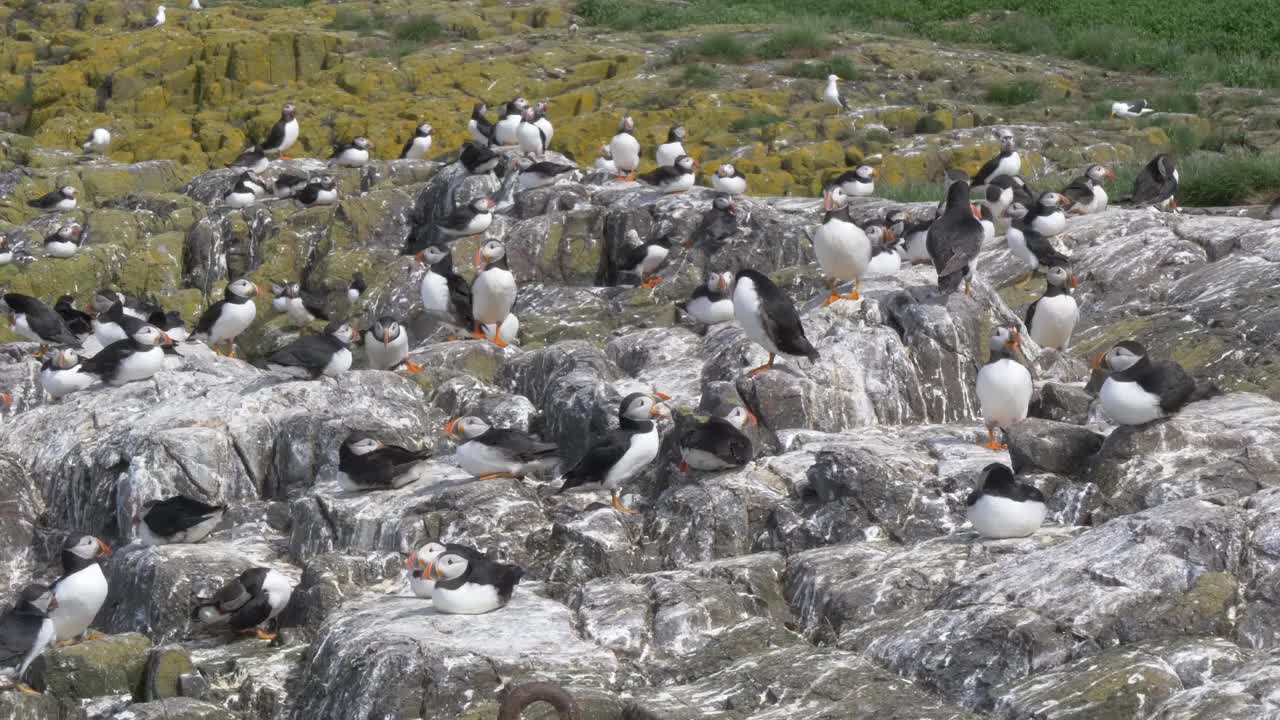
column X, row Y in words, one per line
column 286, row 112
column 1123, row 356
column 1017, row 211
column 1059, row 276
column 627, row 125
column 449, row 567
column 243, row 288
column 637, row 406
column 478, row 110
column 1050, row 200
column 37, row 597
column 1099, row 174
column 726, row 171
column 725, row 204
column 86, row 547
column 385, row 329
column 340, row 330
column 362, row 143
column 361, row 443
column 432, row 254
column 65, row 359
column 528, row 115
column 684, row 163
column 865, row 173
column 424, row 130
column 357, row 282
column 675, row 134
column 465, row 428
column 997, row 475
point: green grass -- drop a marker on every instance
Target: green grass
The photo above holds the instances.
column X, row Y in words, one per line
column 419, row 29
column 354, row 20
column 753, row 121
column 719, row 47
column 1019, row 92
column 840, row 66
column 279, row 3
column 911, row 192
column 794, row 42
column 699, row 76
column 1235, row 178
column 1230, row 41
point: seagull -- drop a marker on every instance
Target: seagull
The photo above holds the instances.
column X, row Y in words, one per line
column 98, row 140
column 158, row 20
column 832, row 93
column 1131, row 109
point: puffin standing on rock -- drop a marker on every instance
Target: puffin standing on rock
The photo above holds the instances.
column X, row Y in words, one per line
column 386, row 345
column 488, row 452
column 674, row 178
column 352, row 154
column 319, row 191
column 469, row 220
column 1004, row 385
column 768, row 318
column 859, row 182
column 314, row 356
column 60, row 374
column 60, row 200
column 955, row 239
column 249, row 601
column 446, row 295
column 710, row 303
column 422, row 561
column 82, row 588
column 230, row 316
column 493, row 291
column 529, row 137
column 472, row 586
column 479, row 126
column 417, row 146
column 842, row 248
column 646, row 259
column 1086, row 194
column 283, row 134
column 626, row 149
column 505, row 131
column 1140, row 390
column 673, row 149
column 1052, row 318
column 622, row 454
column 478, row 159
column 1046, row 216
column 1002, row 507
column 65, row 242
column 719, row 443
column 1156, row 185
column 1006, row 163
column 38, row 322
column 26, row 631
column 174, row 520
column 366, row 463
column 728, row 180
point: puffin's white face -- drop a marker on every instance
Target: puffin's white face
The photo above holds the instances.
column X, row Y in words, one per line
column 424, row 129
column 1004, row 338
column 433, row 254
column 865, row 172
column 492, row 251
column 740, row 416
column 243, row 288
column 151, row 335
column 68, row 191
column 65, row 358
column 88, row 547
column 421, row 560
column 362, row 143
column 466, row 428
column 720, row 282
column 448, row 567
column 725, row 171
column 1059, row 277
column 1050, row 199
column 685, row 163
column 364, row 446
column 343, row 332
column 1017, row 211
column 640, row 408
column 834, row 198
column 1119, row 359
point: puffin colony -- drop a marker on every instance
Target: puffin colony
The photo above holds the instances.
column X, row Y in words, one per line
column 114, row 339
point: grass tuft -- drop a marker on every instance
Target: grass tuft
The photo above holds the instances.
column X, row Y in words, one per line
column 798, row 41
column 419, row 29
column 754, row 121
column 1019, row 92
column 699, row 76
column 843, row 67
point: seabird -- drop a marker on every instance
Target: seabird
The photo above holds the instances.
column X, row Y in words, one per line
column 249, row 601
column 366, row 463
column 1007, row 163
column 137, row 357
column 320, row 191
column 6, row 250
column 446, row 295
column 1052, row 318
column 842, row 248
column 718, row 443
column 886, row 250
column 305, row 306
column 996, row 199
column 1004, row 385
column 1156, row 184
column 472, row 586
column 416, row 147
column 605, row 160
column 469, row 220
column 230, row 316
column 543, row 122
column 422, row 560
column 1016, row 183
column 62, row 199
column 81, row 589
column 38, row 322
column 478, row 159
column 625, row 149
column 60, row 374
column 505, row 130
column 529, row 137
column 955, row 239
column 288, row 185
column 540, row 174
column 386, row 345
column 314, row 356
column 253, row 159
column 1002, row 507
column 728, row 180
column 356, row 287
column 832, row 93
column 1139, row 389
column 646, row 259
column 194, row 5
column 26, row 631
column 493, row 291
column 242, row 194
column 171, row 323
column 719, row 223
column 280, row 298
column 710, row 302
column 675, row 178
column 915, row 236
column 479, row 126
column 65, row 242
column 78, row 321
column 620, row 455
column 1086, row 194
column 1130, row 109
column 858, row 182
column 768, row 318
column 97, row 141
column 283, row 134
column 1046, row 216
column 176, row 520
column 488, row 452
column 158, row 20
column 673, row 149
column 352, row 154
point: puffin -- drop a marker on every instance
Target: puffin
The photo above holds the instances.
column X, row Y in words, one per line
column 1140, row 390
column 137, row 357
column 719, row 223
column 493, row 291
column 248, row 602
column 675, row 178
column 304, row 306
column 288, row 185
column 1156, row 184
column 319, row 191
column 954, row 240
column 1002, row 507
column 605, row 160
column 625, row 149
column 422, row 560
column 112, row 323
column 1030, row 246
column 6, row 250
column 719, row 443
column 542, row 121
column 842, row 248
column 1006, row 162
column 366, row 463
column 446, row 295
column 479, row 126
column 417, row 146
column 469, row 220
column 620, row 455
column 1131, row 109
column 78, row 321
column 996, row 199
column 255, row 183
column 60, row 200
column 478, row 159
column 915, row 241
column 280, row 297
column 38, row 322
column 886, row 250
column 1004, row 385
column 314, row 356
column 60, row 374
column 488, row 452
column 1018, row 185
column 158, row 19
column 1046, row 216
column 242, row 194
column 529, row 137
column 858, row 182
column 26, row 631
column 194, row 5
column 509, row 332
column 768, row 318
column 645, row 260
column 81, row 589
column 1086, row 194
column 130, row 305
column 252, row 159
column 356, row 287
column 386, row 345
column 97, row 141
column 505, row 130
column 283, row 134
column 832, row 93
column 172, row 324
column 230, row 316
column 176, row 520
column 472, row 586
column 540, row 174
column 710, row 303
column 673, row 149
column 352, row 154
column 728, row 180
column 1052, row 318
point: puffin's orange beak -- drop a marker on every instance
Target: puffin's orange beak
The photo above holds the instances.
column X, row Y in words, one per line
column 1074, row 282
column 450, row 428
column 1099, row 361
column 977, row 214
column 1015, row 341
column 751, row 418
column 661, row 395
column 420, row 258
column 1063, row 201
column 7, row 399
column 409, row 561
column 888, row 233
column 104, row 549
column 479, row 258
column 826, row 200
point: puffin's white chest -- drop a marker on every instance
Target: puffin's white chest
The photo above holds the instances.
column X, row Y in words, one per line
column 505, row 130
column 386, row 356
column 1126, row 403
column 139, row 366
column 470, row 599
column 478, row 136
column 61, row 249
column 353, row 157
column 626, row 151
column 679, row 184
column 1054, row 321
column 643, row 449
column 1051, row 224
column 64, row 382
column 80, row 595
column 298, row 312
column 654, row 256
column 735, row 185
column 493, row 295
column 885, row 263
column 480, row 459
column 1017, row 243
column 1004, row 392
column 419, row 147
column 237, row 199
column 709, row 312
column 746, row 310
column 339, row 363
column 858, row 188
column 702, row 460
column 23, row 328
column 290, row 135
column 435, row 292
column 1008, row 165
column 1100, row 200
column 234, row 319
column 66, row 204
column 843, row 249
column 529, row 137
column 325, row 197
column 667, row 153
column 999, row 517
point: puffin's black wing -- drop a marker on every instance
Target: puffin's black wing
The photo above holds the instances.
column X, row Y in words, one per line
column 18, row 633
column 459, row 218
column 720, row 438
column 782, row 323
column 516, row 444
column 550, row 169
column 78, row 322
column 252, row 613
column 178, row 513
column 1079, row 191
column 1044, row 250
column 1155, row 183
column 210, row 316
column 107, row 361
column 985, row 171
column 408, row 145
column 500, row 575
column 1031, row 313
column 604, row 454
column 635, row 256
column 315, row 302
column 383, row 465
column 460, row 299
column 339, row 149
column 311, row 352
column 46, row 201
column 1168, row 380
column 666, row 173
column 42, row 319
column 275, row 138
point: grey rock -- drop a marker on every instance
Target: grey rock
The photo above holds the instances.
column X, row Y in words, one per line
column 1051, row 446
column 1061, row 403
column 176, row 708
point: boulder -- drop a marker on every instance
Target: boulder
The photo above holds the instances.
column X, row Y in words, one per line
column 111, row 665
